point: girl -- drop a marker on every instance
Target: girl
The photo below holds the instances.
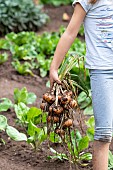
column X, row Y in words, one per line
column 97, row 16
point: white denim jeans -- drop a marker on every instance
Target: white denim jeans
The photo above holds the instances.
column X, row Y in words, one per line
column 102, row 99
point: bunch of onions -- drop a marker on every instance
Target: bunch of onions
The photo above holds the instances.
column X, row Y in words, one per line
column 59, row 103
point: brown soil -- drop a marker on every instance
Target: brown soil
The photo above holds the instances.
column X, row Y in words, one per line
column 19, row 155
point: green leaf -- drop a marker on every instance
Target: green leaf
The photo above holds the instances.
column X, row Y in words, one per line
column 4, row 44
column 3, row 122
column 42, row 136
column 60, row 156
column 33, row 129
column 90, row 122
column 32, row 113
column 30, row 139
column 43, row 72
column 54, row 138
column 86, row 157
column 78, row 136
column 21, row 111
column 15, row 134
column 83, row 143
column 90, row 133
column 23, row 96
column 84, row 100
column 88, row 111
column 3, row 58
column 31, row 98
column 20, row 95
column 5, row 104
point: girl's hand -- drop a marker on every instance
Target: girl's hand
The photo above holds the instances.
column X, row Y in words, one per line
column 54, row 78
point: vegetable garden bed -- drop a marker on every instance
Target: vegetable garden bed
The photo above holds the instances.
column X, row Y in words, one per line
column 19, row 155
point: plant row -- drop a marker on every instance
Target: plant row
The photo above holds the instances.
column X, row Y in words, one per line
column 56, row 2
column 20, row 15
column 35, row 50
column 34, row 124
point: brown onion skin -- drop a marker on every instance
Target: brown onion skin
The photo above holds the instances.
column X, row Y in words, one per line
column 60, row 132
column 68, row 123
column 59, row 97
column 49, row 119
column 65, row 99
column 49, row 98
column 68, row 93
column 54, row 119
column 58, row 110
column 43, row 106
column 50, row 109
column 73, row 103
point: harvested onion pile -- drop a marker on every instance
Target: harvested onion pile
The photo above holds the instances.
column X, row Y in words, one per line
column 59, row 104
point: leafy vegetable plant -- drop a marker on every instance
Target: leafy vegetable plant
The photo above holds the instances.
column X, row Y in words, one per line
column 19, row 15
column 5, row 104
column 30, row 118
column 85, row 102
column 90, row 130
column 3, row 58
column 23, row 69
column 24, row 96
column 57, row 2
column 11, row 131
column 37, row 49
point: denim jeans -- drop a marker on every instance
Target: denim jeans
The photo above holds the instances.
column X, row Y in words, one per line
column 102, row 100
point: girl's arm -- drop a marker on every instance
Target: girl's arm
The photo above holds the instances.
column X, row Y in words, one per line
column 66, row 41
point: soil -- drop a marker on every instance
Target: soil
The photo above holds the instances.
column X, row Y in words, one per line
column 19, row 155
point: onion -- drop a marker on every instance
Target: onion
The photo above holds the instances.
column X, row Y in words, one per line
column 60, row 132
column 73, row 103
column 49, row 119
column 68, row 93
column 49, row 98
column 54, row 119
column 58, row 109
column 50, row 109
column 65, row 99
column 43, row 106
column 68, row 123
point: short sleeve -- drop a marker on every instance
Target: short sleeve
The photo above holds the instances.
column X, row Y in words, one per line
column 84, row 3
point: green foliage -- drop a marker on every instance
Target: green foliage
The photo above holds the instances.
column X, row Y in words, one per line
column 3, row 58
column 24, row 96
column 81, row 31
column 56, row 2
column 85, row 102
column 15, row 134
column 79, row 144
column 110, row 161
column 76, row 148
column 38, row 50
column 90, row 130
column 21, row 111
column 23, row 69
column 3, row 122
column 5, row 104
column 19, row 15
column 28, row 118
column 11, row 131
column 60, row 156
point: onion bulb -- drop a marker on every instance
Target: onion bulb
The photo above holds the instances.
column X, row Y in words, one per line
column 68, row 123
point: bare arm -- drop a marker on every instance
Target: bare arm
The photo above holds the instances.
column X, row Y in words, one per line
column 66, row 41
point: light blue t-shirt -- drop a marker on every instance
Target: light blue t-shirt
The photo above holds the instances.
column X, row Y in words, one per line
column 98, row 25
